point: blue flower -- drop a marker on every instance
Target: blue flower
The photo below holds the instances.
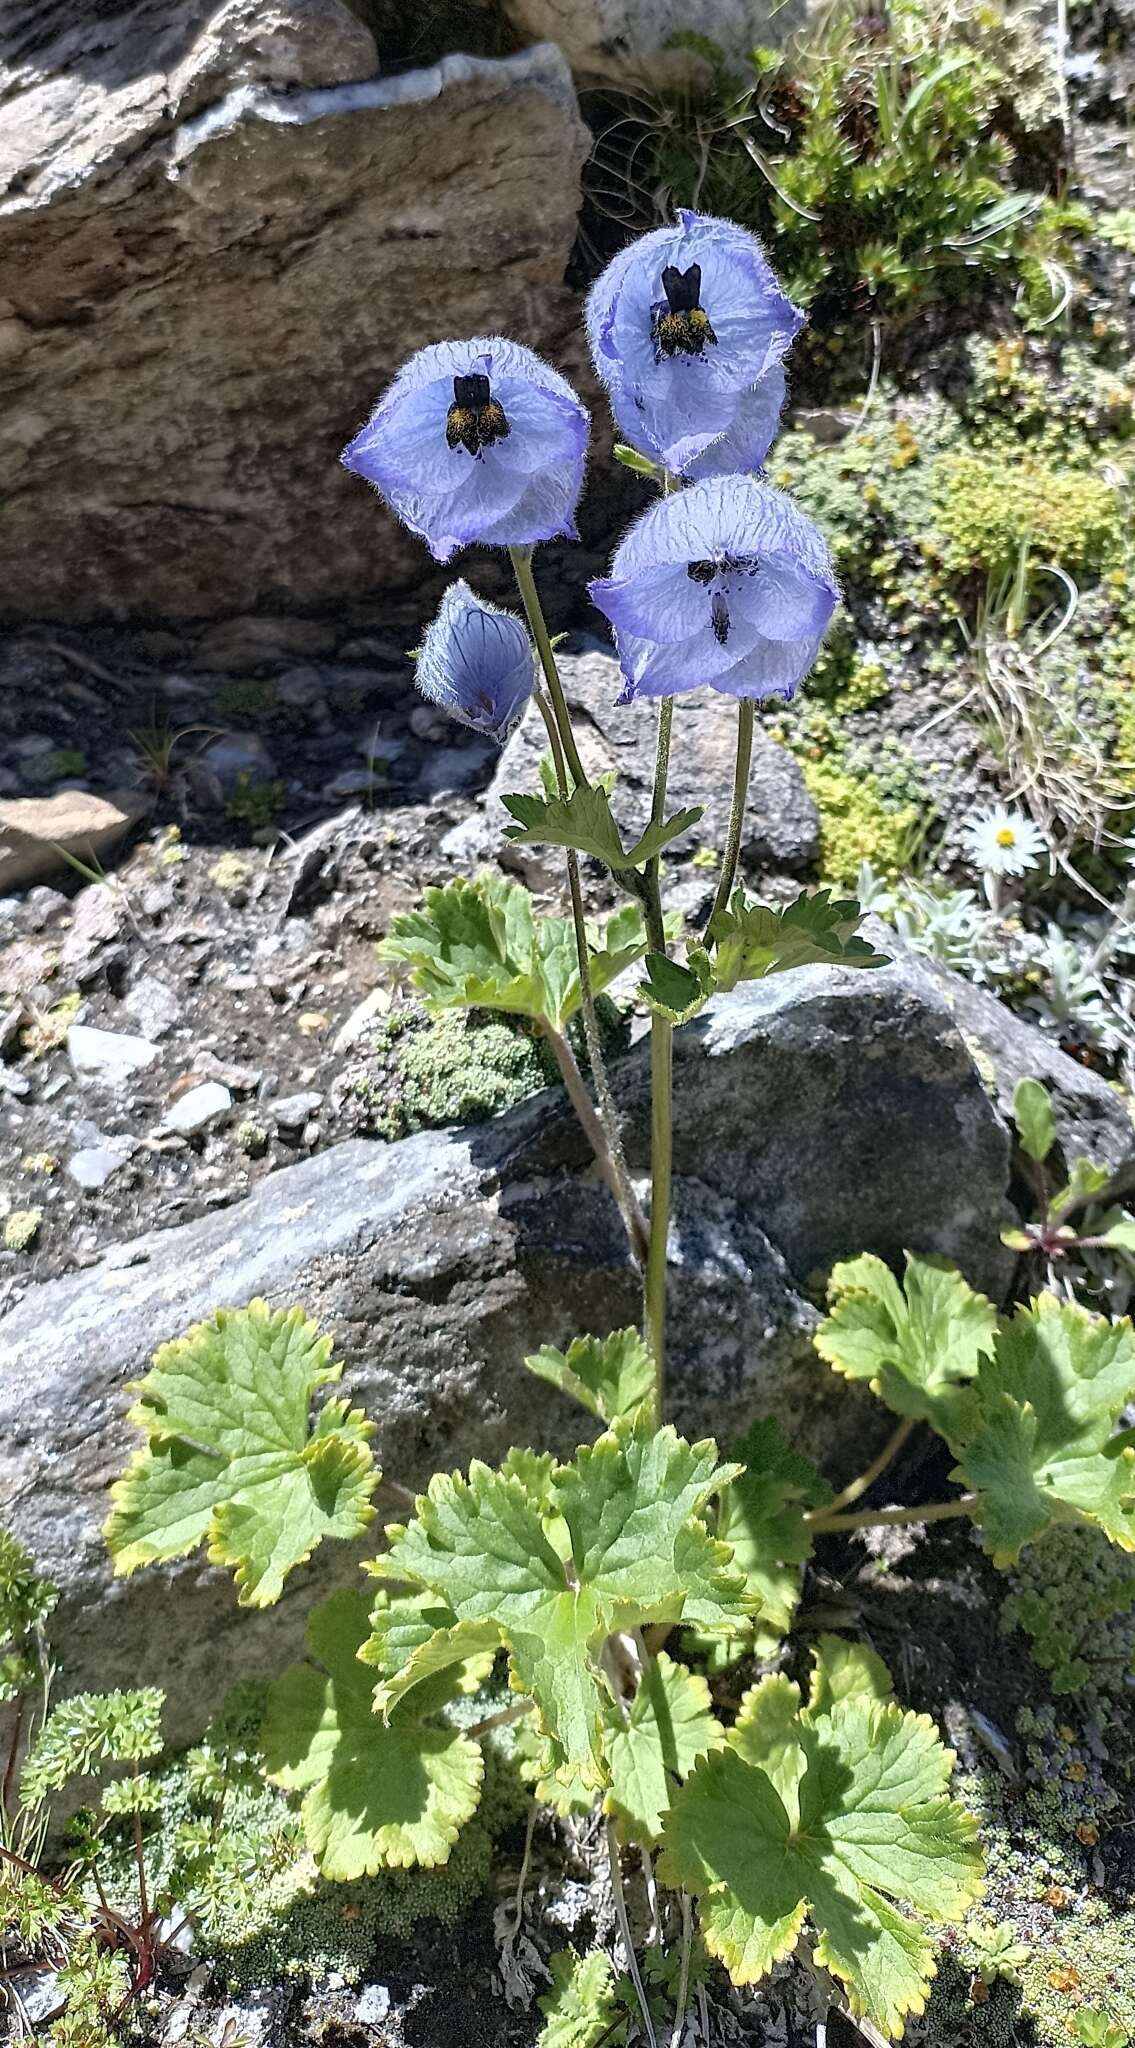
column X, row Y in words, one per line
column 476, row 662
column 476, row 441
column 726, row 583
column 688, row 327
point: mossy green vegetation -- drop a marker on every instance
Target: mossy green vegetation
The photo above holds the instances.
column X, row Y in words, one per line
column 228, row 1846
column 1079, row 1943
column 857, row 824
column 897, row 161
column 420, row 1073
column 1075, row 1600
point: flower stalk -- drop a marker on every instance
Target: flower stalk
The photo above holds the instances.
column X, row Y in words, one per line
column 742, row 767
column 521, row 559
column 661, row 1097
column 603, row 1128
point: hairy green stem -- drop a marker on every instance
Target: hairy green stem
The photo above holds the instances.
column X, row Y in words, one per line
column 661, row 1174
column 823, row 1523
column 609, row 1150
column 661, row 1101
column 684, row 1972
column 596, row 1135
column 737, row 809
column 521, row 559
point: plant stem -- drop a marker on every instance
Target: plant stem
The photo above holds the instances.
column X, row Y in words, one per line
column 661, row 1100
column 874, row 1470
column 625, row 1931
column 745, row 713
column 521, row 559
column 822, row 1524
column 661, row 1173
column 585, row 1110
column 684, row 1973
column 609, row 1152
column 140, row 1860
column 504, row 1719
column 13, row 1753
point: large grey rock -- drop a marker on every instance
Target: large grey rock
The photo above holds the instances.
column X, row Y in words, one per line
column 837, row 1111
column 1092, row 1119
column 220, row 234
column 781, row 823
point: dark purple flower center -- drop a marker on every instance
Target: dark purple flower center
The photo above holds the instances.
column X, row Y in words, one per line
column 475, row 419
column 706, row 572
column 679, row 325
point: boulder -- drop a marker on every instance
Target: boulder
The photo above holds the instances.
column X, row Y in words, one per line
column 38, row 832
column 781, row 823
column 834, row 1111
column 632, row 40
column 1093, row 1120
column 220, row 235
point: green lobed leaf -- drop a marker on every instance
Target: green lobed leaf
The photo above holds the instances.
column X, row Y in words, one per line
column 1038, row 1443
column 752, row 941
column 829, row 1813
column 579, row 2008
column 373, row 1797
column 584, row 821
column 761, row 1516
column 230, row 1459
column 480, row 945
column 1032, row 1114
column 612, row 1377
column 916, row 1344
column 669, row 1725
column 626, row 1512
column 88, row 1730
column 675, row 992
column 1086, row 1180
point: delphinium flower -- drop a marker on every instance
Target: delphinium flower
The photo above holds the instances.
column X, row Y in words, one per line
column 726, row 583
column 1004, row 842
column 476, row 441
column 688, row 328
column 476, row 662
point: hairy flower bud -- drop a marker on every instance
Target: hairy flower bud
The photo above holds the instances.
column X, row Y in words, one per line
column 476, row 662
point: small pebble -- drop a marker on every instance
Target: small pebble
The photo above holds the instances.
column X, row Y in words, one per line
column 92, row 1168
column 291, row 1112
column 197, row 1108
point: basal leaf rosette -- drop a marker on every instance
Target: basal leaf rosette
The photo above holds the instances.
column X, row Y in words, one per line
column 373, row 1796
column 614, row 1541
column 231, row 1459
column 827, row 1815
column 1039, row 1443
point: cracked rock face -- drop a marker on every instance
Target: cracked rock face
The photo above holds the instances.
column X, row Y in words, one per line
column 220, row 235
column 818, row 1114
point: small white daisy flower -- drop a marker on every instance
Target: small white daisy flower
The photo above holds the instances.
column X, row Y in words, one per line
column 1004, row 842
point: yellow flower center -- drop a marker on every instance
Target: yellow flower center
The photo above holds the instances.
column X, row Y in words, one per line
column 1006, row 836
